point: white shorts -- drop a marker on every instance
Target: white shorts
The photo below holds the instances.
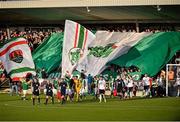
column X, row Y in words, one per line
column 82, row 91
column 24, row 92
column 54, row 91
column 68, row 91
column 45, row 91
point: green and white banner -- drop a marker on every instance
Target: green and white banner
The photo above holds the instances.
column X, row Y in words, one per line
column 75, row 45
column 16, row 58
column 152, row 53
column 106, row 47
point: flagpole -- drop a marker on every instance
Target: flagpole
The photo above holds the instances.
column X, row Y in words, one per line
column 137, row 27
column 167, row 80
column 8, row 33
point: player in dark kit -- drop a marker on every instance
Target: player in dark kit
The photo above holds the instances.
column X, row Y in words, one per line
column 63, row 86
column 49, row 92
column 35, row 89
column 120, row 87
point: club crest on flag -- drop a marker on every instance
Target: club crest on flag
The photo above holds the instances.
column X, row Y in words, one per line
column 16, row 56
column 75, row 44
column 102, row 51
column 75, row 54
column 136, row 77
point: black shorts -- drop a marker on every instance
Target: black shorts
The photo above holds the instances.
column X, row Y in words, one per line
column 49, row 93
column 146, row 87
column 101, row 91
column 119, row 90
column 130, row 89
column 36, row 93
column 63, row 92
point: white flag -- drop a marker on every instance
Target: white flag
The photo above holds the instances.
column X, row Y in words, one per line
column 16, row 58
column 75, row 45
column 106, row 47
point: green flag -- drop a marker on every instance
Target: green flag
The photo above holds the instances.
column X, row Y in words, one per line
column 152, row 53
column 49, row 53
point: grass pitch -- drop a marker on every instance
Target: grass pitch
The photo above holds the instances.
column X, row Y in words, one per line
column 12, row 108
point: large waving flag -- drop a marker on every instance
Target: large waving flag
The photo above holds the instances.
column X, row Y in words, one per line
column 49, row 54
column 75, row 45
column 16, row 58
column 106, row 47
column 152, row 53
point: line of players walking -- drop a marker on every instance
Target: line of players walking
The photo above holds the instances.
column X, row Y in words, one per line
column 75, row 88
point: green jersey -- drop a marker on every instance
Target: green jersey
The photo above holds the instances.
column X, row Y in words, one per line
column 55, row 82
column 24, row 85
column 1, row 70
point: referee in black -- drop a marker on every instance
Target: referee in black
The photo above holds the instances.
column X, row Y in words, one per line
column 49, row 92
column 35, row 89
column 63, row 86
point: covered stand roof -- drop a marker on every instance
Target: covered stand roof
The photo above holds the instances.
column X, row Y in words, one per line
column 116, row 11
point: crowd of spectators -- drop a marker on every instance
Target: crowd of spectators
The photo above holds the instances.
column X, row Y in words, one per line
column 114, row 27
column 36, row 37
column 157, row 28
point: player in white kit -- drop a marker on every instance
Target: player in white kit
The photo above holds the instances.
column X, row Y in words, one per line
column 101, row 87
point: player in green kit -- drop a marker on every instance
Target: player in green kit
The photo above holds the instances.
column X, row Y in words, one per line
column 24, row 88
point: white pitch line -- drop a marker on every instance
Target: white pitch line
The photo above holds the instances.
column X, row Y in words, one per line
column 95, row 107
